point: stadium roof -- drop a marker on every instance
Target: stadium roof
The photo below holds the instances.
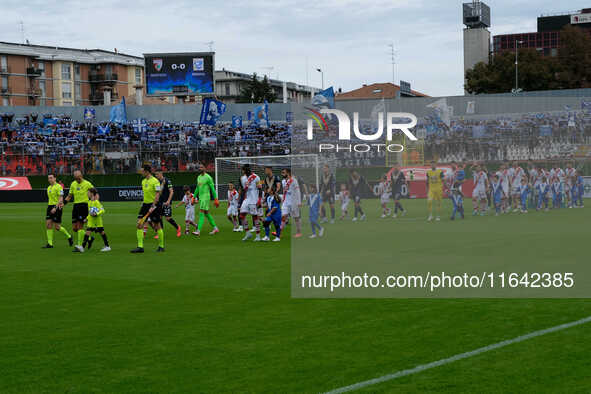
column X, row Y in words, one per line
column 87, row 56
column 375, row 90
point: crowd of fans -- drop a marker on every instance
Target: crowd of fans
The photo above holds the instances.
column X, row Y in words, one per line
column 36, row 144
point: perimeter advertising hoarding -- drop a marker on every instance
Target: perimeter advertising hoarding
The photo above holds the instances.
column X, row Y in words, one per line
column 180, row 74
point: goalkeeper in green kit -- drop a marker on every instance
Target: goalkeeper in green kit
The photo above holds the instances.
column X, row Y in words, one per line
column 203, row 193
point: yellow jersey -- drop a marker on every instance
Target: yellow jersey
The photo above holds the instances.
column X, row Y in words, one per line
column 435, row 179
column 53, row 193
column 150, row 186
column 80, row 191
column 95, row 221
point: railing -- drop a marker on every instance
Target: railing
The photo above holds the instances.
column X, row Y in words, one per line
column 33, row 72
column 98, row 78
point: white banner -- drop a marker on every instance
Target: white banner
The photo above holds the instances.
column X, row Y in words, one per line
column 580, row 18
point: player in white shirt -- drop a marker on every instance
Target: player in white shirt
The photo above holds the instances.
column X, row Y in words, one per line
column 516, row 174
column 187, row 201
column 251, row 190
column 479, row 199
column 292, row 201
column 344, row 199
column 232, row 212
column 383, row 191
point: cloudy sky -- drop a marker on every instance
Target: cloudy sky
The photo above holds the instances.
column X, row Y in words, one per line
column 348, row 39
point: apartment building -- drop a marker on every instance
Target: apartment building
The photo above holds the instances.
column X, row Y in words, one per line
column 56, row 76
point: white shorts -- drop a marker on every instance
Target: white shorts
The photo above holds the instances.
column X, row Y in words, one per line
column 232, row 210
column 289, row 209
column 515, row 191
column 344, row 206
column 260, row 211
column 190, row 214
column 505, row 187
column 385, row 198
column 250, row 209
column 479, row 193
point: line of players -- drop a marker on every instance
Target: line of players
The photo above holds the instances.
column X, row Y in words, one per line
column 511, row 188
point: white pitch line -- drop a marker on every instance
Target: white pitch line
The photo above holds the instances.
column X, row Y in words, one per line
column 457, row 357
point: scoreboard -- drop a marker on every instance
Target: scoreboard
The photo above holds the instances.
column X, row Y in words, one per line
column 179, row 74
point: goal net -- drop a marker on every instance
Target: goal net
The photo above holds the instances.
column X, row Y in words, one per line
column 305, row 167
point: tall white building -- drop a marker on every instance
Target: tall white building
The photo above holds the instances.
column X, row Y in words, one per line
column 476, row 18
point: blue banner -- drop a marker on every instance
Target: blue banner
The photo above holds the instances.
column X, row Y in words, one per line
column 478, row 131
column 211, row 111
column 49, row 122
column 545, row 130
column 140, row 125
column 119, row 113
column 289, row 117
column 236, row 121
column 89, row 113
column 249, row 116
column 261, row 113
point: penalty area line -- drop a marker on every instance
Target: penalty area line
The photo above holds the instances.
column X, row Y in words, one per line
column 457, row 357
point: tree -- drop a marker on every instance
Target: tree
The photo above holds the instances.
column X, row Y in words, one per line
column 257, row 91
column 498, row 76
column 575, row 58
column 571, row 69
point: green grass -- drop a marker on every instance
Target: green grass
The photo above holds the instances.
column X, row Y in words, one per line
column 215, row 315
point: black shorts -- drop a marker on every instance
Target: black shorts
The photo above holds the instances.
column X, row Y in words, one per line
column 154, row 216
column 54, row 217
column 80, row 212
column 166, row 210
column 357, row 198
column 95, row 229
column 397, row 193
column 328, row 197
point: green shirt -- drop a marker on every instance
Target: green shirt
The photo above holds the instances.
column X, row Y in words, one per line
column 95, row 221
column 80, row 191
column 53, row 193
column 150, row 186
column 205, row 187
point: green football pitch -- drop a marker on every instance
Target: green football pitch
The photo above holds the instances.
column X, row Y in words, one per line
column 215, row 315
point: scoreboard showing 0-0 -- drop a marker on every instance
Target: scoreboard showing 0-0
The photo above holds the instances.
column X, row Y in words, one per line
column 179, row 74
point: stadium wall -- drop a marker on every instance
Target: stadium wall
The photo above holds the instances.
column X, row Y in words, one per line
column 495, row 104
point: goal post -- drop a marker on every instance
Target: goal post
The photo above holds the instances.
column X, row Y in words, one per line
column 305, row 167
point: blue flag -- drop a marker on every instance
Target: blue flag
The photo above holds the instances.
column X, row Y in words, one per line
column 102, row 130
column 249, row 116
column 236, row 121
column 211, row 111
column 261, row 113
column 89, row 113
column 119, row 112
column 324, row 98
column 289, row 117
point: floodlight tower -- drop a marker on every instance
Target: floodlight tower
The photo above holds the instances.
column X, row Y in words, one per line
column 476, row 18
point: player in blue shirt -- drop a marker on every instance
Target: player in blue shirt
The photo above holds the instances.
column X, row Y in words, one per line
column 497, row 194
column 314, row 202
column 457, row 198
column 543, row 190
column 578, row 190
column 523, row 194
column 273, row 214
column 556, row 189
